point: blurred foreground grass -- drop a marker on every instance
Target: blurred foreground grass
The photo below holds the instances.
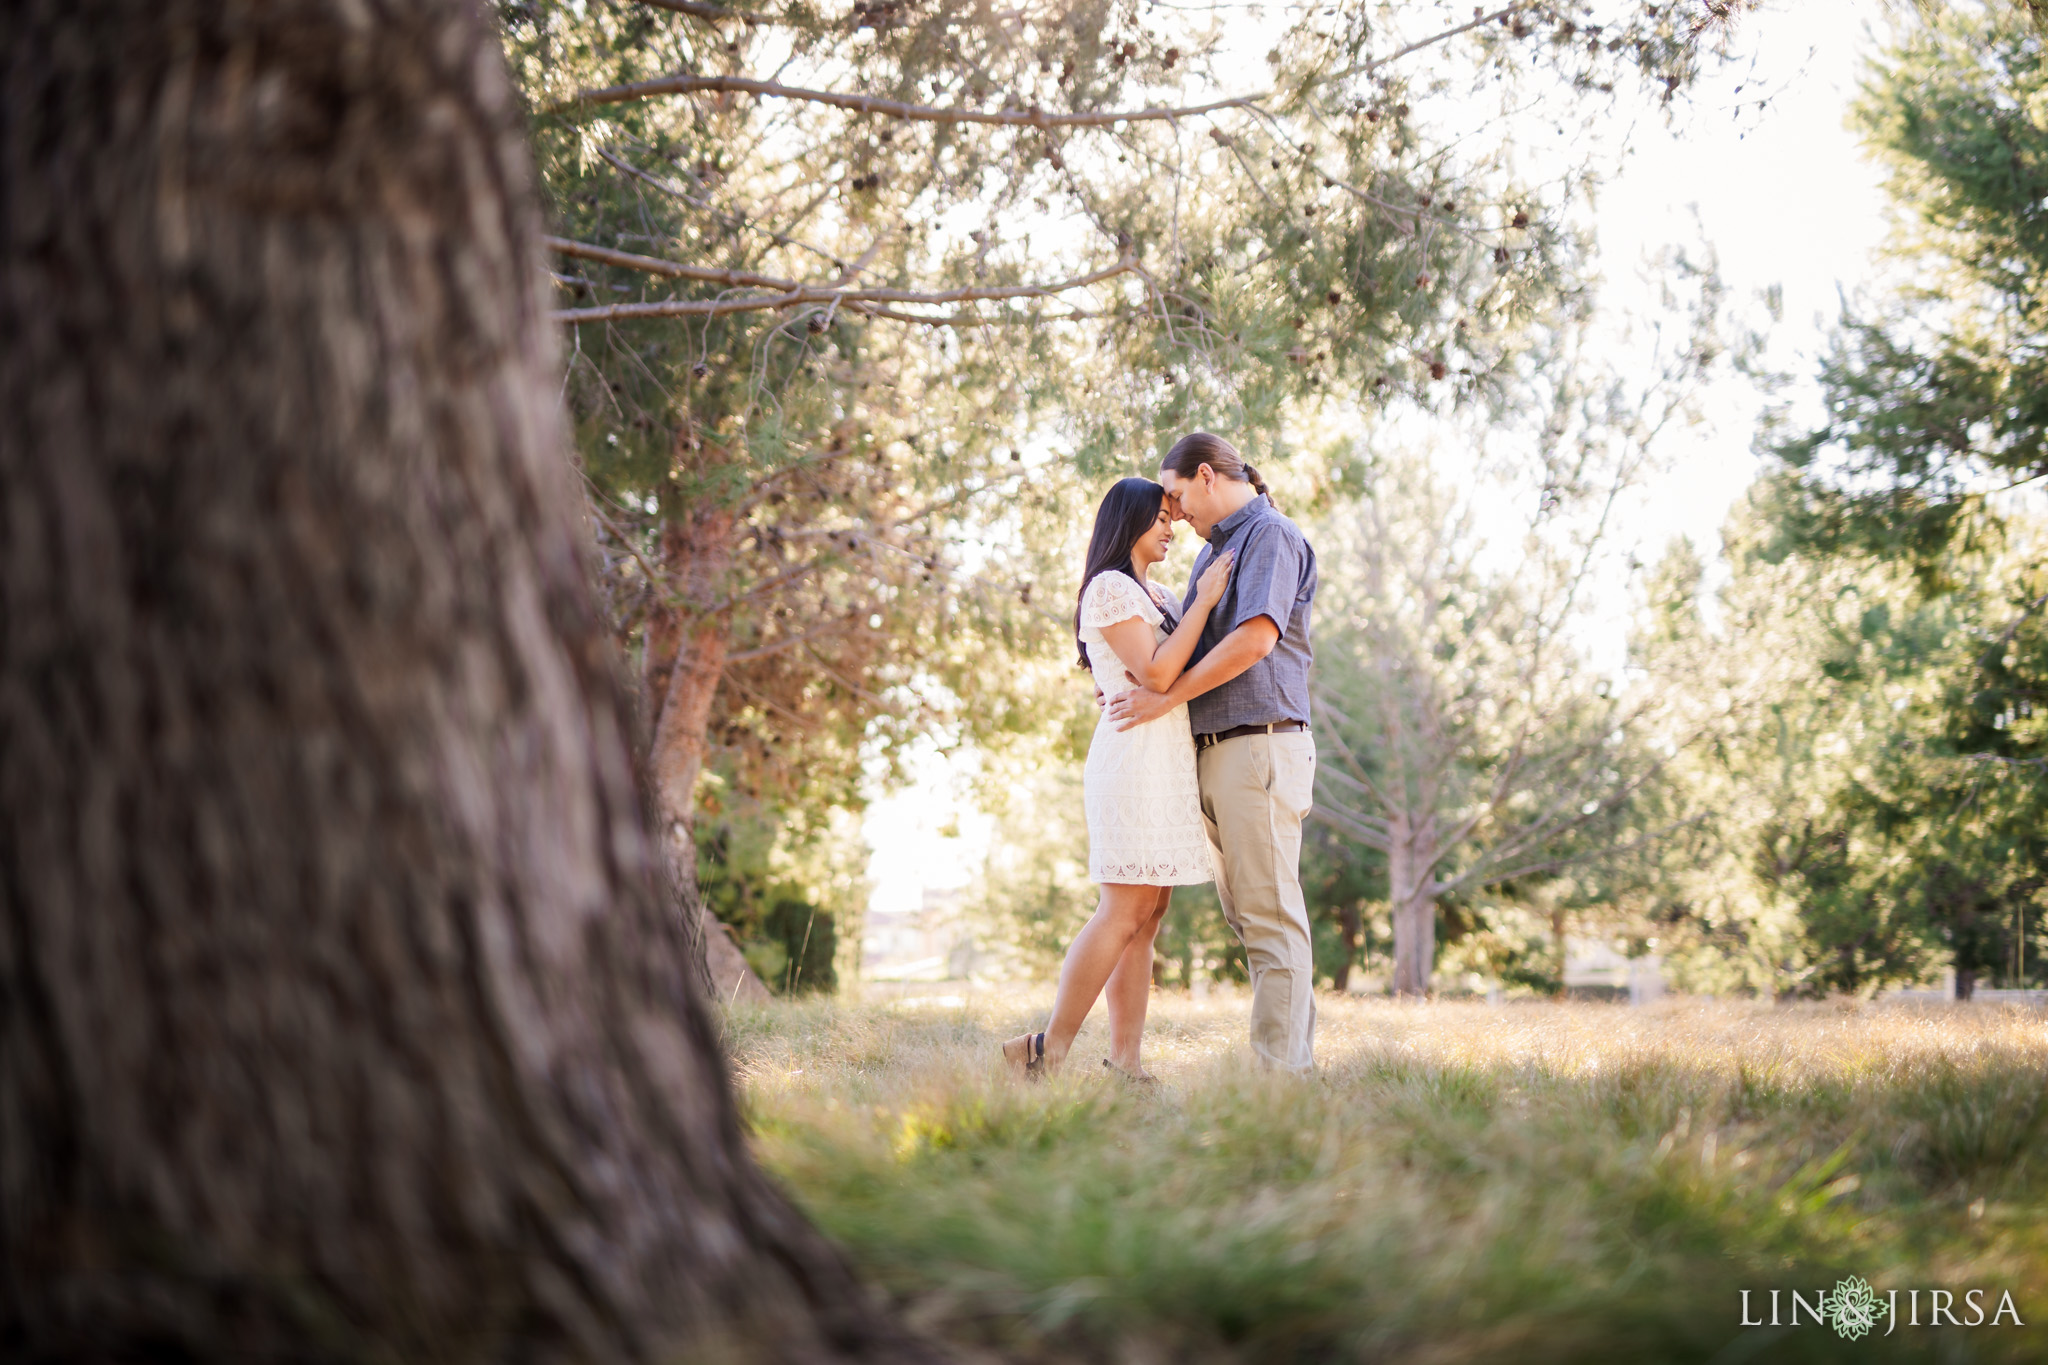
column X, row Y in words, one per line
column 1541, row 1182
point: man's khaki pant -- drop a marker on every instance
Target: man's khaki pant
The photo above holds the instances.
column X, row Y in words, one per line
column 1256, row 791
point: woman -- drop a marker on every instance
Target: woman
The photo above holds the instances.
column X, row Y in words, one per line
column 1145, row 831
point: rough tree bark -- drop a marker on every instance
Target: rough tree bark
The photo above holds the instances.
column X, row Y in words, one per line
column 685, row 657
column 1411, row 885
column 663, row 638
column 342, row 1014
column 681, row 665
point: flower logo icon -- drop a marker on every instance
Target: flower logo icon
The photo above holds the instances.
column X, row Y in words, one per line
column 1852, row 1308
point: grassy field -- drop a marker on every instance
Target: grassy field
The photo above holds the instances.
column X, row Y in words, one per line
column 1537, row 1182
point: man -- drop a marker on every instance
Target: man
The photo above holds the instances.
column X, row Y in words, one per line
column 1247, row 696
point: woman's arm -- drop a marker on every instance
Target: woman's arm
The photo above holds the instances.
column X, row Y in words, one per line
column 1233, row 654
column 1131, row 637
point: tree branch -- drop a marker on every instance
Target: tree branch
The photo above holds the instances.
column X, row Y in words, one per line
column 803, row 723
column 654, row 579
column 654, row 265
column 760, row 589
column 964, row 319
column 873, row 104
column 857, row 300
column 703, row 11
column 1358, row 775
column 829, row 671
column 875, row 532
column 792, row 641
column 1374, row 64
column 1642, row 840
column 730, row 220
column 1341, row 820
column 803, row 464
column 1548, row 826
column 1362, row 788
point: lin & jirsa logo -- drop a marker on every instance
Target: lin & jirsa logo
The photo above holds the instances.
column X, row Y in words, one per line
column 1852, row 1308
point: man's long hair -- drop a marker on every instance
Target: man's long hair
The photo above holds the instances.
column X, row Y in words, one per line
column 1199, row 448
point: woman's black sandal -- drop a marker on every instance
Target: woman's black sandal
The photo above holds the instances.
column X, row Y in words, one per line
column 1034, row 1061
column 1134, row 1077
column 1031, row 1066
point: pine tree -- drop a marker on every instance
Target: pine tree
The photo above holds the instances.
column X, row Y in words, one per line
column 825, row 271
column 1935, row 443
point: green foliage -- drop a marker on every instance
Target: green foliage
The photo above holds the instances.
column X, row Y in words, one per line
column 1345, row 885
column 1669, row 1158
column 1848, row 834
column 777, row 888
column 820, row 484
column 1962, row 793
column 1939, row 396
column 1918, row 834
column 806, row 479
column 1326, row 212
column 1478, row 765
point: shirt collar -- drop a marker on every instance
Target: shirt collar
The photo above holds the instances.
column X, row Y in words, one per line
column 1222, row 531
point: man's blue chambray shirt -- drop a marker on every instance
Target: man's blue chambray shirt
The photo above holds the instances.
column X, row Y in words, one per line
column 1275, row 576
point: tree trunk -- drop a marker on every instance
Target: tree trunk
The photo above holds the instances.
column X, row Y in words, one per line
column 732, row 980
column 681, row 667
column 342, row 1013
column 1558, row 920
column 1411, row 875
column 1414, row 944
column 1351, row 928
column 686, row 658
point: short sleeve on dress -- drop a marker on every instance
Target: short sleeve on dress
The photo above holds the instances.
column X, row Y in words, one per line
column 1115, row 596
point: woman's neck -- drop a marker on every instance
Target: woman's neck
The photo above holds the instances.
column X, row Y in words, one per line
column 1139, row 569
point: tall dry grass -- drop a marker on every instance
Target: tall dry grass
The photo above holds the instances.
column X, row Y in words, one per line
column 1538, row 1182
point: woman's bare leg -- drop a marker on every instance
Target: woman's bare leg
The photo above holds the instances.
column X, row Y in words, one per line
column 1129, row 992
column 1121, row 913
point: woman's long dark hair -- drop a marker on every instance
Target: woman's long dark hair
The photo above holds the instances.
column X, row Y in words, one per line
column 1129, row 509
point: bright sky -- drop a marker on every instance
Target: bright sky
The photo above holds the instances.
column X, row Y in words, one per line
column 1785, row 197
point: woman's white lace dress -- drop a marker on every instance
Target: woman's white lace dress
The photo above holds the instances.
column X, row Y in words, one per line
column 1143, row 802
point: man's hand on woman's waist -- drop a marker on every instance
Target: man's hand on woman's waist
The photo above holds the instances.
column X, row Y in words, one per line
column 1139, row 706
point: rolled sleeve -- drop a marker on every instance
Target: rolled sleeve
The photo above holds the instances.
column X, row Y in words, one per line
column 1268, row 578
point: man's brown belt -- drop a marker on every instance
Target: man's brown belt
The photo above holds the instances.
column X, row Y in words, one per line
column 1278, row 727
